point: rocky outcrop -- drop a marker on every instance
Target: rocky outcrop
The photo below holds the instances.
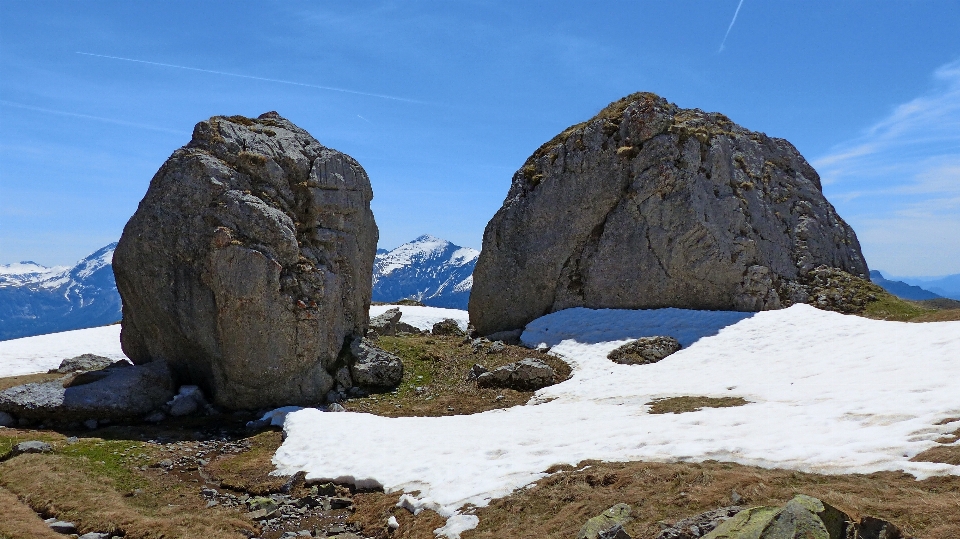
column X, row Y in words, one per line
column 247, row 264
column 528, row 374
column 644, row 350
column 608, row 525
column 119, row 392
column 648, row 205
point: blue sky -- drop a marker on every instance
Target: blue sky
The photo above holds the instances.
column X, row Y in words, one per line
column 445, row 100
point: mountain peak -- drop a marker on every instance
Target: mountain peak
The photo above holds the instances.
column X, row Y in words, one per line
column 428, row 269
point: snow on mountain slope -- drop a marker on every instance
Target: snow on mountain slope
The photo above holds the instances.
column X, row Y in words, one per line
column 35, row 300
column 428, row 269
column 794, row 366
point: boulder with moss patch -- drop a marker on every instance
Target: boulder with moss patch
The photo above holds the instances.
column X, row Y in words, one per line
column 247, row 264
column 608, row 525
column 644, row 350
column 648, row 205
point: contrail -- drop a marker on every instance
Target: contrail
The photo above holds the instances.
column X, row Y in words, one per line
column 330, row 88
column 89, row 117
column 730, row 27
column 364, row 119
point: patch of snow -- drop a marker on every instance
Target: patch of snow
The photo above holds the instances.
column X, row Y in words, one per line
column 31, row 355
column 424, row 317
column 829, row 393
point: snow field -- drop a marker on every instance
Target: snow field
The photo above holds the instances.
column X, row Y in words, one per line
column 423, row 317
column 829, row 393
column 30, row 355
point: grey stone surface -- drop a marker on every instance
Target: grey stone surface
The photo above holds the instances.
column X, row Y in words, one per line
column 697, row 526
column 7, row 420
column 60, row 526
column 602, row 525
column 448, row 326
column 373, row 367
column 385, row 323
column 188, row 400
column 32, row 446
column 123, row 392
column 247, row 265
column 648, row 205
column 644, row 350
column 84, row 362
column 528, row 374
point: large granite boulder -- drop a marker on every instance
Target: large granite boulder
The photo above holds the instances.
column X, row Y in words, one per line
column 648, row 205
column 247, row 265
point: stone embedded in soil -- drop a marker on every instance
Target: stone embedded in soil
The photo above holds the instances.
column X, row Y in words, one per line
column 374, row 367
column 448, row 326
column 644, row 350
column 247, row 264
column 528, row 374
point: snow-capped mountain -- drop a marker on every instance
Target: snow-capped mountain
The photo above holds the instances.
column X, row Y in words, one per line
column 35, row 299
column 427, row 269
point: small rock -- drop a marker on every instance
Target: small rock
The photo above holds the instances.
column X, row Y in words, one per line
column 187, row 401
column 95, row 535
column 475, row 372
column 63, row 527
column 7, row 420
column 208, row 492
column 340, row 503
column 607, row 523
column 336, row 407
column 508, row 337
column 33, row 446
column 386, row 323
column 528, row 374
column 326, row 489
column 644, row 351
column 212, row 503
column 448, row 326
column 90, row 424
column 698, row 526
column 374, row 367
column 496, row 347
column 85, row 362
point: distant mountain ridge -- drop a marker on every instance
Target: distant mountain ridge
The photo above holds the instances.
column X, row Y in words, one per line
column 35, row 299
column 901, row 289
column 428, row 269
column 948, row 286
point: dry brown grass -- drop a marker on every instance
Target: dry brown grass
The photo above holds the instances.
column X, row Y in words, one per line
column 374, row 508
column 679, row 405
column 250, row 471
column 558, row 505
column 946, row 315
column 21, row 522
column 12, row 381
column 55, row 485
column 438, row 366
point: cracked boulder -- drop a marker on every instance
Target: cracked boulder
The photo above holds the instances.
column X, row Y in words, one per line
column 247, row 264
column 648, row 205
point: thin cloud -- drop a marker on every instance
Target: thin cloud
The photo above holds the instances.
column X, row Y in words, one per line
column 898, row 183
column 735, row 13
column 279, row 81
column 90, row 117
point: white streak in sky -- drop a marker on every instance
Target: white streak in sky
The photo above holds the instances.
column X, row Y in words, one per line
column 364, row 119
column 330, row 88
column 97, row 118
column 730, row 27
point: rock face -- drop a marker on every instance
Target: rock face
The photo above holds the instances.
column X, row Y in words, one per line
column 247, row 265
column 648, row 205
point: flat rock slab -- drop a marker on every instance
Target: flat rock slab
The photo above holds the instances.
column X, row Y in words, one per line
column 120, row 392
column 644, row 350
column 84, row 362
